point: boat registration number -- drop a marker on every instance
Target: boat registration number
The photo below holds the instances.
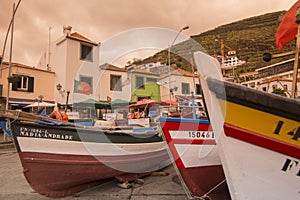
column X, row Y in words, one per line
column 201, row 134
column 192, row 134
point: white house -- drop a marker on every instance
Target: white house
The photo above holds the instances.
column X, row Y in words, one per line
column 179, row 85
column 74, row 59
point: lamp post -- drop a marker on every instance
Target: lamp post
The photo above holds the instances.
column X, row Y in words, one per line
column 67, row 101
column 169, row 56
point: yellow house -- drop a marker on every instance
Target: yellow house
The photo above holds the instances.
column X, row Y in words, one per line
column 28, row 85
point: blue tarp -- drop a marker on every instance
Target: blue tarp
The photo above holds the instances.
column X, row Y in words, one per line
column 3, row 126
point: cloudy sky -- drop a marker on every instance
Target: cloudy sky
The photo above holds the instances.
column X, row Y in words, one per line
column 99, row 20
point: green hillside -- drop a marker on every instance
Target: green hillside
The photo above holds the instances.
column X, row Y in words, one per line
column 250, row 38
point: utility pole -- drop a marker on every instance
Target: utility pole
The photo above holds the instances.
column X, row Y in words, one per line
column 296, row 62
column 268, row 56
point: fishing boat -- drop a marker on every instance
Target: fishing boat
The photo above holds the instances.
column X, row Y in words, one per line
column 192, row 145
column 60, row 158
column 258, row 136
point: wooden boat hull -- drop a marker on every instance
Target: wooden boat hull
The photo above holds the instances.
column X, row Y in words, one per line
column 193, row 148
column 259, row 141
column 60, row 161
column 258, row 133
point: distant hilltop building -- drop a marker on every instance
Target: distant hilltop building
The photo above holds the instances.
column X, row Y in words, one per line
column 154, row 67
column 231, row 60
column 229, row 63
column 272, row 77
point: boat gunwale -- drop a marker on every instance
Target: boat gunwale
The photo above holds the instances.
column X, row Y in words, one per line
column 249, row 97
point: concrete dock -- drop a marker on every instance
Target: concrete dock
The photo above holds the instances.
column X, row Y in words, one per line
column 14, row 185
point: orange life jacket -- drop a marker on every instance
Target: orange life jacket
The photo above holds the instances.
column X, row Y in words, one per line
column 60, row 116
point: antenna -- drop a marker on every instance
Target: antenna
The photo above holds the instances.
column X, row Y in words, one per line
column 49, row 49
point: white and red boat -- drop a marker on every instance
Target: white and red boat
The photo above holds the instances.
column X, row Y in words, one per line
column 258, row 136
column 192, row 146
column 60, row 160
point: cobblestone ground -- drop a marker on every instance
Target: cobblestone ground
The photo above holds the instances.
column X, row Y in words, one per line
column 14, row 186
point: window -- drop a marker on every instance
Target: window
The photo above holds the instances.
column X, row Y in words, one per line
column 115, row 83
column 151, row 80
column 198, row 89
column 23, row 83
column 139, row 82
column 86, row 52
column 185, row 88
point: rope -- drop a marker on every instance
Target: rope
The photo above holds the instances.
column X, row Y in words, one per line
column 8, row 122
column 205, row 196
column 185, row 188
column 17, row 115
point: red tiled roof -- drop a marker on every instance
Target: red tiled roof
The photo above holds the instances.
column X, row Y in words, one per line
column 276, row 79
column 115, row 68
column 248, row 74
column 80, row 37
column 13, row 64
column 184, row 72
column 112, row 68
column 142, row 71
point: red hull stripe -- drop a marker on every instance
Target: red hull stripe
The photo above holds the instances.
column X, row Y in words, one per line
column 167, row 126
column 262, row 141
column 194, row 141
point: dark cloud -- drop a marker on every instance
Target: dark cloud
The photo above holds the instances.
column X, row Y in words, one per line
column 101, row 19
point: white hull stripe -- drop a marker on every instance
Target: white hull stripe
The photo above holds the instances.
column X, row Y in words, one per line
column 198, row 155
column 86, row 148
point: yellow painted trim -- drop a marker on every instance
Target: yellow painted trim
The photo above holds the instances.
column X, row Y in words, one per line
column 260, row 122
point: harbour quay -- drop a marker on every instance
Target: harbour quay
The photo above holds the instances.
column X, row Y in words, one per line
column 14, row 185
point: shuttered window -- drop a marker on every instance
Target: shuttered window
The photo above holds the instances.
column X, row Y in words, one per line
column 23, row 83
column 86, row 52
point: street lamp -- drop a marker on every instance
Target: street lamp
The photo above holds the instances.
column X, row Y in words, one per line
column 58, row 87
column 169, row 54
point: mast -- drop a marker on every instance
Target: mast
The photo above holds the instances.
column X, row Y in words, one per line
column 10, row 55
column 10, row 24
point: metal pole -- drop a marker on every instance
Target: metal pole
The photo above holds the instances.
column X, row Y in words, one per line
column 296, row 62
column 169, row 62
column 10, row 55
column 193, row 106
column 67, row 101
column 49, row 49
column 194, row 84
